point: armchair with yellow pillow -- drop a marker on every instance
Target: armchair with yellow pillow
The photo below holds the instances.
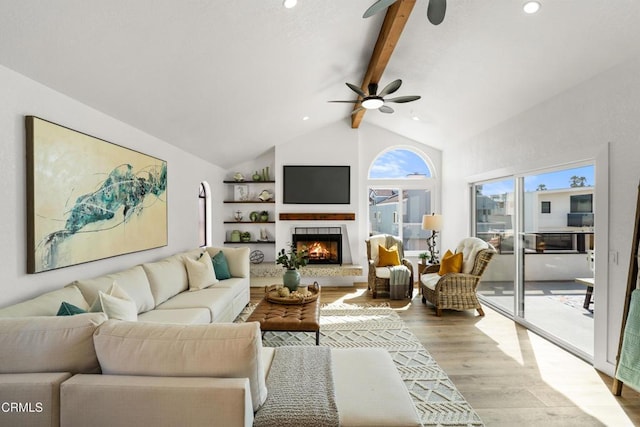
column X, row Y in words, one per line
column 452, row 284
column 389, row 271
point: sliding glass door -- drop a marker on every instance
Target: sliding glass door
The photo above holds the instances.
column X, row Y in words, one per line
column 542, row 226
column 494, row 216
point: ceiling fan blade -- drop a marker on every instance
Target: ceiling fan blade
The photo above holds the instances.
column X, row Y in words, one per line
column 356, row 89
column 391, row 87
column 377, row 7
column 436, row 11
column 356, row 110
column 385, row 109
column 403, row 99
column 373, row 88
column 348, row 102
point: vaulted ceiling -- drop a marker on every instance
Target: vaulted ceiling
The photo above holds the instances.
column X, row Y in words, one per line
column 230, row 79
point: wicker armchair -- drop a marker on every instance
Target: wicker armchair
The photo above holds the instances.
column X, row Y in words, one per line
column 378, row 278
column 457, row 291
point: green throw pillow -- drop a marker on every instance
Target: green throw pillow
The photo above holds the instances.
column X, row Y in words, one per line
column 67, row 309
column 220, row 266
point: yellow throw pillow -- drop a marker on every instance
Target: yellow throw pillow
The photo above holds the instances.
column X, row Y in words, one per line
column 450, row 263
column 387, row 257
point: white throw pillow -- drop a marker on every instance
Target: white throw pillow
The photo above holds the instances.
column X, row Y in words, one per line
column 115, row 291
column 118, row 308
column 200, row 272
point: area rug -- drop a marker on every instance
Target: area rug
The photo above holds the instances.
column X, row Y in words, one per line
column 436, row 398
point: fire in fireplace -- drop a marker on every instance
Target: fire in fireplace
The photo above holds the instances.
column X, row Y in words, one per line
column 324, row 244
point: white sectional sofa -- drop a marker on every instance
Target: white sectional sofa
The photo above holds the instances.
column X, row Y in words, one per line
column 160, row 290
column 179, row 364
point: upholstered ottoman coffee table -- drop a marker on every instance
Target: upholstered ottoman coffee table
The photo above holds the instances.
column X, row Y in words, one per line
column 288, row 317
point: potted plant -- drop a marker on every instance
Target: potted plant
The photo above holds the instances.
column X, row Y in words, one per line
column 291, row 260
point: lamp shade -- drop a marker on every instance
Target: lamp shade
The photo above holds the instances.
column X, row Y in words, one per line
column 432, row 222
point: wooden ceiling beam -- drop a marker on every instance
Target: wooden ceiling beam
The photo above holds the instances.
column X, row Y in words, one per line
column 392, row 26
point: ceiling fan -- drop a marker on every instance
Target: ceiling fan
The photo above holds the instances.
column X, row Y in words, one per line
column 435, row 10
column 374, row 100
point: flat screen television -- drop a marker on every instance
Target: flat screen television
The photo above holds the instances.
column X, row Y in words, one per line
column 316, row 185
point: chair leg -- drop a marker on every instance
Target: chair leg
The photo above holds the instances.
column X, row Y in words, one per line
column 374, row 293
column 480, row 311
column 438, row 312
column 424, row 300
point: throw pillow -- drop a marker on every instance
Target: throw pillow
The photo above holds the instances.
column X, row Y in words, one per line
column 388, row 257
column 115, row 291
column 67, row 309
column 118, row 308
column 200, row 273
column 221, row 266
column 450, row 263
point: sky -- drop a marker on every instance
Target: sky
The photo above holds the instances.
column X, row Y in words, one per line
column 398, row 164
column 551, row 180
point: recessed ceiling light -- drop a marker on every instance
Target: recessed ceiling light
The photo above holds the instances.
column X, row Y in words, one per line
column 290, row 3
column 415, row 118
column 305, row 118
column 531, row 7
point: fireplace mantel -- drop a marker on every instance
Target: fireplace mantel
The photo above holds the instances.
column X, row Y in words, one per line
column 295, row 216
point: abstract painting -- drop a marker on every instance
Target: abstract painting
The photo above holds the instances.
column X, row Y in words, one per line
column 89, row 199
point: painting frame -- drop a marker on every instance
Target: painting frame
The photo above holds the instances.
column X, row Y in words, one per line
column 88, row 198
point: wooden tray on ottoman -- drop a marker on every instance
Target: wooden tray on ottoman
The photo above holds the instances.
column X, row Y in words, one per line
column 271, row 294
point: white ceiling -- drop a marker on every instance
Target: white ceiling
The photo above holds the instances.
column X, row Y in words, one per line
column 228, row 80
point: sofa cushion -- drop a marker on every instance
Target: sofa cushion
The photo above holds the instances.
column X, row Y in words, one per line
column 237, row 259
column 221, row 266
column 224, row 350
column 46, row 304
column 470, row 248
column 133, row 281
column 167, row 277
column 49, row 344
column 118, row 308
column 200, row 272
column 364, row 399
column 115, row 291
column 215, row 299
column 67, row 309
column 184, row 316
column 39, row 392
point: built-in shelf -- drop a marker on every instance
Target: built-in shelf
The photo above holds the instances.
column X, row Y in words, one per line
column 249, row 201
column 249, row 222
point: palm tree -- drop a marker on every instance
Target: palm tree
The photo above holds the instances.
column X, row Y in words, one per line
column 541, row 187
column 578, row 181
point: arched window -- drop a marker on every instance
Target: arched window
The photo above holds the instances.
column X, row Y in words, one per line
column 401, row 190
column 204, row 214
column 399, row 163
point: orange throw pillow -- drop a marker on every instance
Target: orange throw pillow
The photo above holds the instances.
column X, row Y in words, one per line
column 451, row 263
column 387, row 257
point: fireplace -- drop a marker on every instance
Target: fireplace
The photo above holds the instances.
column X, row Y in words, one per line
column 323, row 243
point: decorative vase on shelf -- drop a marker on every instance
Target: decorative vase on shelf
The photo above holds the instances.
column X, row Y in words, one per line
column 291, row 279
column 256, row 176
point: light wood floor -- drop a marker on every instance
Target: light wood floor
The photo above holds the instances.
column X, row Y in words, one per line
column 510, row 376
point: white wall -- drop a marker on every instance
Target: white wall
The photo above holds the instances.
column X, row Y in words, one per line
column 337, row 144
column 595, row 120
column 22, row 96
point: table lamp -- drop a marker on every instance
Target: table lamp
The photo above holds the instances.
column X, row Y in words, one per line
column 432, row 222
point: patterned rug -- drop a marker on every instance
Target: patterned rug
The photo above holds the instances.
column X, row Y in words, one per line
column 437, row 400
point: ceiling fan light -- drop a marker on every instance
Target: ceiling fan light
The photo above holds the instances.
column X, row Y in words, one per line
column 372, row 103
column 290, row 3
column 531, row 7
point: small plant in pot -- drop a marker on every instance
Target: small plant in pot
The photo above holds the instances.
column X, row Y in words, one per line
column 291, row 260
